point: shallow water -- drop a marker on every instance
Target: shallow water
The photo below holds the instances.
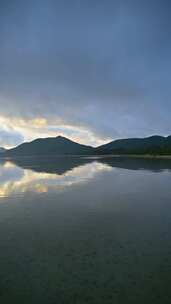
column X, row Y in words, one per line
column 82, row 230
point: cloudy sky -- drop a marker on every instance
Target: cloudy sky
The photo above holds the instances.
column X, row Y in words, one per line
column 91, row 70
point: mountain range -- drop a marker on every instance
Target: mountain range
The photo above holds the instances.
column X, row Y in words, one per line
column 148, row 145
column 50, row 146
column 153, row 145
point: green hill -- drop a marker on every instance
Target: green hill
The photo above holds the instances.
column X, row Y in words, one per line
column 149, row 145
column 153, row 145
column 50, row 146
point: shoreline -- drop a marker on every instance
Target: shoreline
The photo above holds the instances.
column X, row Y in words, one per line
column 88, row 156
column 145, row 156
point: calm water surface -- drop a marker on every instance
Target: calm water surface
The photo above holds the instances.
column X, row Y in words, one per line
column 81, row 230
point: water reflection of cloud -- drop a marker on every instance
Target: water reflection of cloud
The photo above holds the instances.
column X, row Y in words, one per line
column 10, row 173
column 16, row 181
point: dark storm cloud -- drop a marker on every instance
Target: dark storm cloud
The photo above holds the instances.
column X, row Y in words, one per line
column 100, row 64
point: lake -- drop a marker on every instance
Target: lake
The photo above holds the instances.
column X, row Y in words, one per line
column 85, row 230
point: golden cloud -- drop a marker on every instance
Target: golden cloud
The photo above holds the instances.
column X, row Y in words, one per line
column 40, row 127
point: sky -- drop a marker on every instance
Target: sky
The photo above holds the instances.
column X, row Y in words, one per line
column 90, row 70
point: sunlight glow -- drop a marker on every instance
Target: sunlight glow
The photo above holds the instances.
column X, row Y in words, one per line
column 40, row 127
column 42, row 182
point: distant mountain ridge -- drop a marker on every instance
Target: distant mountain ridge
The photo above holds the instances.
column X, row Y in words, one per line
column 50, row 146
column 148, row 145
column 153, row 145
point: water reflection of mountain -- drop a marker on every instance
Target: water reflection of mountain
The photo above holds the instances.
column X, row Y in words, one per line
column 41, row 175
column 130, row 163
column 61, row 165
column 53, row 165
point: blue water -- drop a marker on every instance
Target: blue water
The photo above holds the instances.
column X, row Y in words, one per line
column 82, row 230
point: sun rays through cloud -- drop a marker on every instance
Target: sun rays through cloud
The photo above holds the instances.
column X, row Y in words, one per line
column 16, row 130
